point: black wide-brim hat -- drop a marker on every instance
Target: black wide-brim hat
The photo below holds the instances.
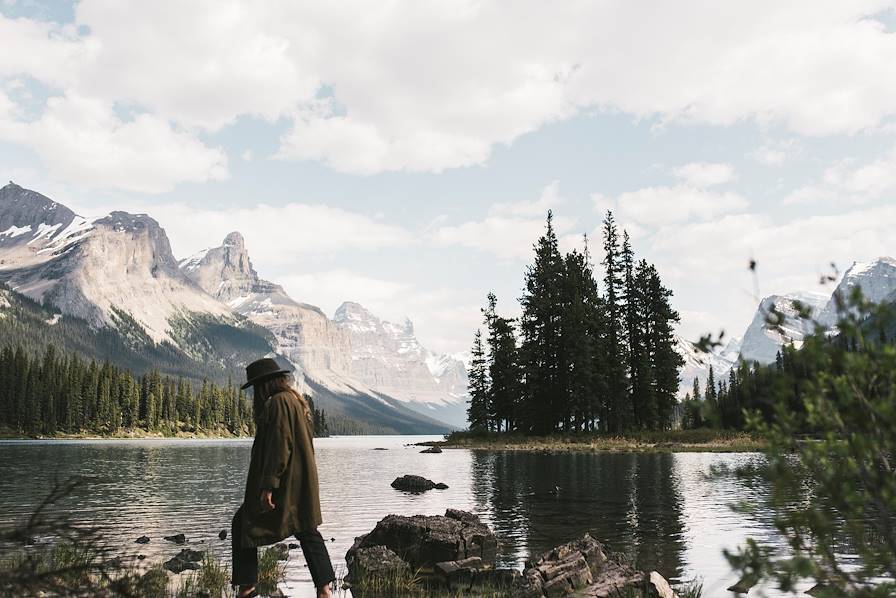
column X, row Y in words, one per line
column 260, row 370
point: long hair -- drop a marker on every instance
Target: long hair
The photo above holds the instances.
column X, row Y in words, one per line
column 264, row 390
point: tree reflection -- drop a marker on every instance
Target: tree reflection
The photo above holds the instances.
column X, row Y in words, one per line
column 631, row 502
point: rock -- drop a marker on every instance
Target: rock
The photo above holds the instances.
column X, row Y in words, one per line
column 432, row 449
column 661, row 586
column 293, row 546
column 743, row 585
column 458, row 575
column 177, row 538
column 140, row 557
column 222, row 535
column 142, row 540
column 416, row 483
column 372, row 562
column 423, row 541
column 441, row 486
column 379, row 448
column 194, row 556
column 581, row 567
column 282, row 551
column 178, row 564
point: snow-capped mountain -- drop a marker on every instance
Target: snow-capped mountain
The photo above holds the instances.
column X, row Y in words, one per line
column 877, row 279
column 697, row 363
column 769, row 331
column 388, row 357
column 116, row 266
column 327, row 351
column 304, row 333
column 118, row 273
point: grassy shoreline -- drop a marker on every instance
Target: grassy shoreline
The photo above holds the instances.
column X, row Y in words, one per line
column 709, row 441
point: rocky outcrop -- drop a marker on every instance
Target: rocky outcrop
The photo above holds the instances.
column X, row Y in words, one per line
column 423, row 541
column 416, row 483
column 456, row 552
column 432, row 449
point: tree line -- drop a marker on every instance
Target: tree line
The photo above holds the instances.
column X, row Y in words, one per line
column 57, row 393
column 582, row 356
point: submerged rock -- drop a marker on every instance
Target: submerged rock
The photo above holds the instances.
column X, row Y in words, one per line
column 416, row 483
column 222, row 535
column 177, row 538
column 142, row 540
column 184, row 560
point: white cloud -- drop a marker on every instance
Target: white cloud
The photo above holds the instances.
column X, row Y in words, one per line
column 277, row 235
column 705, row 174
column 510, row 229
column 425, row 87
column 851, row 183
column 776, row 152
column 82, row 141
column 706, row 262
column 550, row 198
column 658, row 206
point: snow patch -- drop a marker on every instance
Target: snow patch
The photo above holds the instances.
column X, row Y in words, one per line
column 15, row 231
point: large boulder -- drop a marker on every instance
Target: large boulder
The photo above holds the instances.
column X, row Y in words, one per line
column 424, row 540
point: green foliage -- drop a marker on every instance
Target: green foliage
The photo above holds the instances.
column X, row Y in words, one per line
column 583, row 361
column 844, row 473
column 55, row 393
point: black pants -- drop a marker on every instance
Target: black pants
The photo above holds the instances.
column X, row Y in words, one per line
column 245, row 558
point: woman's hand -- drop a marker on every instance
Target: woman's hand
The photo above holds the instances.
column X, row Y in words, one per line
column 267, row 501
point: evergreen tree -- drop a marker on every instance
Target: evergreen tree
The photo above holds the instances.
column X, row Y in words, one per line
column 579, row 344
column 478, row 387
column 617, row 415
column 542, row 352
column 504, row 397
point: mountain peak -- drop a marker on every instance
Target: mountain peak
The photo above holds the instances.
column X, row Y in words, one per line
column 235, row 239
column 26, row 211
column 225, row 272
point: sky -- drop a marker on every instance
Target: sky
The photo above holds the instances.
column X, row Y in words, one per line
column 404, row 154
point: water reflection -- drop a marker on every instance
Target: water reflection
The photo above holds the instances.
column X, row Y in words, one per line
column 660, row 509
column 632, row 502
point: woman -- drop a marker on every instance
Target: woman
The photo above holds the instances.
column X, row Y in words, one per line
column 282, row 496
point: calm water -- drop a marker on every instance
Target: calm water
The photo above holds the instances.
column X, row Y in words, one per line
column 659, row 508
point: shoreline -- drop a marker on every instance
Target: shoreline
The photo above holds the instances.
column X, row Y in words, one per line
column 669, row 442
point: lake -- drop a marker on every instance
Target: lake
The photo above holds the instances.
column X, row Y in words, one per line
column 659, row 508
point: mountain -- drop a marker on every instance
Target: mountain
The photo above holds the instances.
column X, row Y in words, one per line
column 96, row 270
column 388, row 357
column 320, row 349
column 111, row 289
column 697, row 363
column 766, row 335
column 877, row 279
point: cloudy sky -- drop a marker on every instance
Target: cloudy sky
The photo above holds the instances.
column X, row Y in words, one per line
column 403, row 154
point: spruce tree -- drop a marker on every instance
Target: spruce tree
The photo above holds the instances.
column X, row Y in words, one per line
column 617, row 416
column 542, row 352
column 479, row 389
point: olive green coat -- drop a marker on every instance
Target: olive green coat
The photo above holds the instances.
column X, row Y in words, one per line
column 283, row 461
